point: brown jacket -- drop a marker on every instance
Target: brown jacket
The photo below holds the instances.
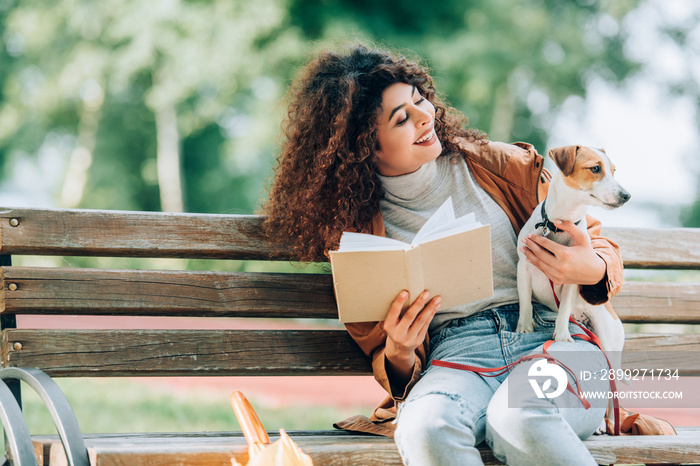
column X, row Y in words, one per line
column 514, row 175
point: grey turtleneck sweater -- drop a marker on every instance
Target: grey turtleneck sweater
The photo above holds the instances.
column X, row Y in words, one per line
column 412, row 198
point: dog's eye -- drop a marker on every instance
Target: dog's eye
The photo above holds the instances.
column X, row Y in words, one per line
column 595, row 169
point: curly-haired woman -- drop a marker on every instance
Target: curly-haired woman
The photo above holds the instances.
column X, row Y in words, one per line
column 369, row 146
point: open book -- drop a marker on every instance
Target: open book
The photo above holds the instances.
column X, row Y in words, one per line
column 449, row 257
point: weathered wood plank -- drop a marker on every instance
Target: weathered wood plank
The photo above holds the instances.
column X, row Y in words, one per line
column 240, row 294
column 324, row 450
column 156, row 234
column 335, row 449
column 343, row 448
column 131, row 234
column 661, row 248
column 667, row 343
column 113, row 353
column 668, row 351
column 166, row 293
column 110, row 353
column 647, row 449
column 42, row 448
column 658, row 302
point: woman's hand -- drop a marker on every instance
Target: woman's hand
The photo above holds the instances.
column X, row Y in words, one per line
column 576, row 264
column 407, row 331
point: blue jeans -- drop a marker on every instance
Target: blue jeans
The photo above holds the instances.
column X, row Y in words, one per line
column 448, row 412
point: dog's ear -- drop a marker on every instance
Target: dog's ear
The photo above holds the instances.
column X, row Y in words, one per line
column 565, row 158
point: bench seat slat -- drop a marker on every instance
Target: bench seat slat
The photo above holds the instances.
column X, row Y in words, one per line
column 167, row 293
column 108, row 353
column 343, row 448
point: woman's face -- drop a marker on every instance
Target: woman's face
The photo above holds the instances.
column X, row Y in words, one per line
column 406, row 131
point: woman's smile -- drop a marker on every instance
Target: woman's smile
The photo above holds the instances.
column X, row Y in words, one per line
column 428, row 139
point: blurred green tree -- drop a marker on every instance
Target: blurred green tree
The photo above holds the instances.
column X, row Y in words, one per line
column 175, row 104
column 131, row 84
column 506, row 65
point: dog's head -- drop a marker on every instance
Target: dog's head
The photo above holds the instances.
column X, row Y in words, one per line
column 590, row 171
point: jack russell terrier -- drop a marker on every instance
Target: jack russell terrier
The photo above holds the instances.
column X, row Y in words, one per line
column 585, row 178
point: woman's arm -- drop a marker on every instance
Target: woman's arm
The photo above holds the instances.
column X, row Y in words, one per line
column 397, row 345
column 405, row 333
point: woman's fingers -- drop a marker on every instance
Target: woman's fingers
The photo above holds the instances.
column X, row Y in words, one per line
column 392, row 318
column 422, row 322
column 577, row 263
column 540, row 249
column 411, row 326
column 414, row 309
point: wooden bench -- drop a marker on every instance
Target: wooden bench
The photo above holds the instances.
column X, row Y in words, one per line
column 147, row 352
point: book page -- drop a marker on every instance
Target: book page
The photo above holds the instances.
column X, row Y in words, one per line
column 442, row 216
column 443, row 224
column 464, row 223
column 363, row 242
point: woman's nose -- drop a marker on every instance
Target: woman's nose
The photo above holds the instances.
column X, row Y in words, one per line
column 424, row 117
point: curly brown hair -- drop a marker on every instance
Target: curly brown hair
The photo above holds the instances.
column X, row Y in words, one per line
column 325, row 181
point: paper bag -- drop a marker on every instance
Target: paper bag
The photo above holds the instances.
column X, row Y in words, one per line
column 284, row 452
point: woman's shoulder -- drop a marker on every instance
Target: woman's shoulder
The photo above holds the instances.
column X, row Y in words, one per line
column 495, row 156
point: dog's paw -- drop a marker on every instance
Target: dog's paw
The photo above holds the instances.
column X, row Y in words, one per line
column 563, row 336
column 602, row 428
column 525, row 327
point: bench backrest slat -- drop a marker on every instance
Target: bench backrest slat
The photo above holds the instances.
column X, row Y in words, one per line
column 39, row 290
column 657, row 248
column 131, row 234
column 658, row 302
column 44, row 290
column 108, row 353
column 155, row 234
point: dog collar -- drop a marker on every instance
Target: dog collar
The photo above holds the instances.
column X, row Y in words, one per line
column 547, row 224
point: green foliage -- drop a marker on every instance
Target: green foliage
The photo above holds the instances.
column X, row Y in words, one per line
column 85, row 82
column 506, row 65
column 100, row 72
column 691, row 215
column 123, row 406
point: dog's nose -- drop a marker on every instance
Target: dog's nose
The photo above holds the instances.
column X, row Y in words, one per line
column 624, row 196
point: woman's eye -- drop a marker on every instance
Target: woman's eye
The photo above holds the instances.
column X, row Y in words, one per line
column 401, row 122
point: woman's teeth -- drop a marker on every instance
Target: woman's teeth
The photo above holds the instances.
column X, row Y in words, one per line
column 425, row 138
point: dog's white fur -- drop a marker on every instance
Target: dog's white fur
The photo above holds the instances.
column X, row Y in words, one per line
column 577, row 185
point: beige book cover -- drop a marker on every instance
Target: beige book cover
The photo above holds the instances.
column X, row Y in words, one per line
column 449, row 257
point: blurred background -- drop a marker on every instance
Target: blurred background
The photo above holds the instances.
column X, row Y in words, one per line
column 176, row 105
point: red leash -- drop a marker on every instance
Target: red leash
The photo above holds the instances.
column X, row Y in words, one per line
column 586, row 336
column 593, row 338
column 556, row 298
column 496, row 371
